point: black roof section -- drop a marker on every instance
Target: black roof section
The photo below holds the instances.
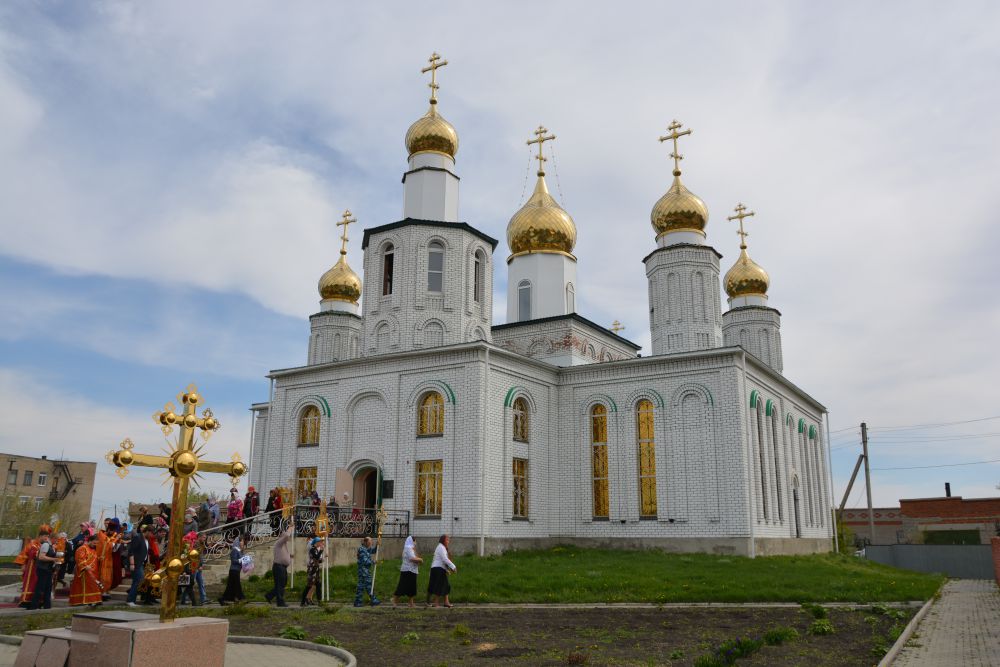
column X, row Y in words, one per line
column 464, row 226
column 572, row 316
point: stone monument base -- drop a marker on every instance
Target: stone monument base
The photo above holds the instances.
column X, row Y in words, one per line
column 126, row 639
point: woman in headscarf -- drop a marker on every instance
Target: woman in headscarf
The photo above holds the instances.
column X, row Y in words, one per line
column 408, row 570
column 441, row 567
column 313, row 571
column 234, row 588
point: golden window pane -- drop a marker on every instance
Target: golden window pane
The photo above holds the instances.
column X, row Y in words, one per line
column 647, row 457
column 647, row 488
column 520, row 419
column 430, row 417
column 306, row 482
column 599, row 458
column 429, row 487
column 520, row 472
column 309, row 426
column 598, row 424
column 600, row 497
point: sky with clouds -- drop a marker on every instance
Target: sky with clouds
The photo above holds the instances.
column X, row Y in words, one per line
column 172, row 173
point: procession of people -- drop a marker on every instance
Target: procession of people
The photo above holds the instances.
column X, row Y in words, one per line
column 112, row 552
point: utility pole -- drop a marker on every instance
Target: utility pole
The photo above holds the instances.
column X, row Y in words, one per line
column 3, row 499
column 868, row 481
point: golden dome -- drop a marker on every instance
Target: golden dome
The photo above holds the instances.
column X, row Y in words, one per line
column 679, row 210
column 432, row 132
column 541, row 225
column 340, row 283
column 746, row 278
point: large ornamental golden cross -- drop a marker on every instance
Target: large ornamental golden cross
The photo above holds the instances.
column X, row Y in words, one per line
column 435, row 63
column 741, row 212
column 182, row 462
column 347, row 219
column 674, row 136
column 540, row 139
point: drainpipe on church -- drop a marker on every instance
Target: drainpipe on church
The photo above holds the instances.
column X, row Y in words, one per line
column 482, row 458
column 750, row 502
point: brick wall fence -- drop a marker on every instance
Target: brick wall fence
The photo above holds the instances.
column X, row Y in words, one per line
column 996, row 558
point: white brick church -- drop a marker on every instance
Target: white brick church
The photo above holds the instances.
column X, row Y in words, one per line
column 548, row 428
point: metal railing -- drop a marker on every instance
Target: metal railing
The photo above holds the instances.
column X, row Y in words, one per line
column 264, row 528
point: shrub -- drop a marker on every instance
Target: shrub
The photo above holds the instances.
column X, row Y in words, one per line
column 253, row 578
column 676, row 654
column 410, row 637
column 817, row 611
column 778, row 636
column 292, row 632
column 460, row 631
column 326, row 640
column 709, row 660
column 821, row 626
column 269, row 575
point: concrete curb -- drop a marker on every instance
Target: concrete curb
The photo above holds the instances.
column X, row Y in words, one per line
column 10, row 639
column 908, row 631
column 344, row 656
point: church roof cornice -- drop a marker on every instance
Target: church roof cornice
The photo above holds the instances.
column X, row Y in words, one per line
column 413, row 222
column 682, row 245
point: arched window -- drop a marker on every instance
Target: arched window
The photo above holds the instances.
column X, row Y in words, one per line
column 478, row 276
column 520, row 419
column 309, row 426
column 570, row 298
column 430, row 417
column 599, row 459
column 646, row 442
column 523, row 301
column 435, row 267
column 387, row 262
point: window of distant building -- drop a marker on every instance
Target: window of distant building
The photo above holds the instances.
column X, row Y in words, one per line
column 28, row 476
column 43, row 477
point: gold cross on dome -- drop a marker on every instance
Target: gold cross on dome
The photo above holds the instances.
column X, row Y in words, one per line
column 617, row 326
column 435, row 62
column 741, row 212
column 540, row 139
column 674, row 136
column 347, row 219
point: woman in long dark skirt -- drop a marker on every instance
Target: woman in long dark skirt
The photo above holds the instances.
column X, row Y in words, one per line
column 408, row 570
column 234, row 588
column 439, row 588
column 314, row 571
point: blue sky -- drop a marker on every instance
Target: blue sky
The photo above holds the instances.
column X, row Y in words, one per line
column 172, row 172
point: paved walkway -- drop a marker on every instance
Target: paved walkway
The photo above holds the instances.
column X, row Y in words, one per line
column 237, row 655
column 961, row 628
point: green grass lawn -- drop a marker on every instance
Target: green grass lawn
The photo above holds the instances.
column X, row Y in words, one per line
column 568, row 574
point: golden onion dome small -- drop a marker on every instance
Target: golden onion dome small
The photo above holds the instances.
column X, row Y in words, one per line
column 432, row 133
column 340, row 283
column 746, row 278
column 541, row 225
column 679, row 210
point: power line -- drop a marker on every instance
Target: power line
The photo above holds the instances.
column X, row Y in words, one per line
column 942, row 465
column 911, row 427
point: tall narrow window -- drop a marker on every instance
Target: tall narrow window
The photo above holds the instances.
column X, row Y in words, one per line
column 478, row 277
column 599, row 459
column 309, row 426
column 523, row 301
column 430, row 420
column 430, row 481
column 306, row 481
column 28, row 477
column 521, row 488
column 435, row 267
column 382, row 337
column 570, row 298
column 387, row 261
column 646, row 441
column 520, row 419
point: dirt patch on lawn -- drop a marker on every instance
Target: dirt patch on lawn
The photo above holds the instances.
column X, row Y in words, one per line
column 601, row 636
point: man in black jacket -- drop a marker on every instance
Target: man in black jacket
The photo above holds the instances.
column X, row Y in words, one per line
column 138, row 554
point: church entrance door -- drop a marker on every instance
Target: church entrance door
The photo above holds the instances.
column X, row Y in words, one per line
column 366, row 491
